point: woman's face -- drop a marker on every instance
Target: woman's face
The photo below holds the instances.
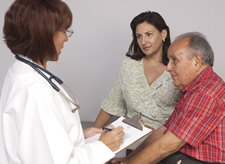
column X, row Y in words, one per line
column 149, row 39
column 59, row 38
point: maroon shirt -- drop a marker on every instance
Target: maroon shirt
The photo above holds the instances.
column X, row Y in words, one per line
column 199, row 118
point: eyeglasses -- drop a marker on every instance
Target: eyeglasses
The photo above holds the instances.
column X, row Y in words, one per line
column 68, row 32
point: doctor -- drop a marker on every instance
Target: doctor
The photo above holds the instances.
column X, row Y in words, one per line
column 39, row 120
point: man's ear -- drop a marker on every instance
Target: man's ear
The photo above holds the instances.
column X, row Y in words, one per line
column 164, row 34
column 198, row 61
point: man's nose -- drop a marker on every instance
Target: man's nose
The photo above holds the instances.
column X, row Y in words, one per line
column 169, row 67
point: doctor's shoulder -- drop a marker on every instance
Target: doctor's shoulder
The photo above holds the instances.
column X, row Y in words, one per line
column 22, row 79
column 22, row 88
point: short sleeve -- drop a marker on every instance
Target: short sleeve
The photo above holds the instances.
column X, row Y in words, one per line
column 114, row 104
column 199, row 116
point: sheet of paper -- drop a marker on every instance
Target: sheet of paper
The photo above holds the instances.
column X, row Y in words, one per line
column 131, row 134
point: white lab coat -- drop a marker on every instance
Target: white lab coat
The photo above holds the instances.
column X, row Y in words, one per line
column 37, row 125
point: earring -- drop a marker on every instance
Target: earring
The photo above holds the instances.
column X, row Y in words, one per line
column 163, row 40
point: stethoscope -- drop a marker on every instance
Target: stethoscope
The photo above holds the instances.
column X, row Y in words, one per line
column 67, row 93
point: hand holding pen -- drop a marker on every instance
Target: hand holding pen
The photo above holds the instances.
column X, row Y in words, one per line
column 112, row 137
column 108, row 129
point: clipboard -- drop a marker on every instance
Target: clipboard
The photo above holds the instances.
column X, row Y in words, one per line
column 132, row 134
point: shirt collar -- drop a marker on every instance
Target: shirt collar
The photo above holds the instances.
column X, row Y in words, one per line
column 204, row 74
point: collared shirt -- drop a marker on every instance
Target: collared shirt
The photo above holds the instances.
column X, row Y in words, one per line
column 131, row 93
column 199, row 118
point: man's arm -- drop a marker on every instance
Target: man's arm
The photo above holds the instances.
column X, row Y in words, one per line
column 157, row 150
column 151, row 138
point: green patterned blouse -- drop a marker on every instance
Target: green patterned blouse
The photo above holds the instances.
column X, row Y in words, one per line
column 131, row 93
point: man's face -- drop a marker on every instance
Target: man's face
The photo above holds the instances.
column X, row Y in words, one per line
column 181, row 66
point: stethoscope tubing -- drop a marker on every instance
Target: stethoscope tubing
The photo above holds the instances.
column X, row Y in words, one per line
column 37, row 67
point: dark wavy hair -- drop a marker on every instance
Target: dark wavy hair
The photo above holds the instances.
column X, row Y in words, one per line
column 158, row 22
column 30, row 25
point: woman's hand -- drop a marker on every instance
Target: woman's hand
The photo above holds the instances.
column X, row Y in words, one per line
column 89, row 132
column 113, row 138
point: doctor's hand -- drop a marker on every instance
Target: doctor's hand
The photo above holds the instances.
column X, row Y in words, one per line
column 113, row 138
column 89, row 132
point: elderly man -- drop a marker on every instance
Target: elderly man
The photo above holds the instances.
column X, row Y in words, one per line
column 195, row 132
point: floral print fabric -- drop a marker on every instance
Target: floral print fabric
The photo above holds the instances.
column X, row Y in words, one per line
column 131, row 93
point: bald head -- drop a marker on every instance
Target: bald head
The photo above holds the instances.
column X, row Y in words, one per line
column 185, row 63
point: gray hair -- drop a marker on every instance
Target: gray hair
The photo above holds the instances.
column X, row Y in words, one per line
column 199, row 44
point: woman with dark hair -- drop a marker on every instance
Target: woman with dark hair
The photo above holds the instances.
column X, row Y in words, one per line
column 143, row 85
column 155, row 19
column 39, row 120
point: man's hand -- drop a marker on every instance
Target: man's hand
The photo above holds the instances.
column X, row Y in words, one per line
column 119, row 160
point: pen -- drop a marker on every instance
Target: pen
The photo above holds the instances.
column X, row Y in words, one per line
column 104, row 128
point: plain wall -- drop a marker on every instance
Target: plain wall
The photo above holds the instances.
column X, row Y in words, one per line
column 91, row 58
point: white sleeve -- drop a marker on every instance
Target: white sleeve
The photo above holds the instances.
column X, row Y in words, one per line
column 65, row 138
column 95, row 152
column 38, row 127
